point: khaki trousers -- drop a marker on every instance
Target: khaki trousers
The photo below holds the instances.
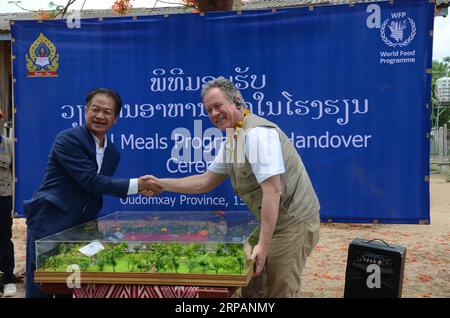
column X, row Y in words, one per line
column 286, row 260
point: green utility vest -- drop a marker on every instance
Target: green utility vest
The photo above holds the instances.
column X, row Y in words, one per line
column 5, row 167
column 298, row 201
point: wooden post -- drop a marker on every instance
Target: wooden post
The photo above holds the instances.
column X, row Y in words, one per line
column 445, row 141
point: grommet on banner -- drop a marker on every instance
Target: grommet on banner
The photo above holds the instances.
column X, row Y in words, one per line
column 391, row 1
column 428, row 135
column 238, row 12
column 329, row 220
column 13, row 57
column 427, row 105
column 13, row 40
column 431, row 33
column 274, row 10
column 351, row 3
column 134, row 17
column 14, row 80
column 166, row 16
column 427, row 178
column 202, row 14
column 375, row 221
column 12, row 22
column 429, row 71
column 423, row 222
column 311, row 8
column 39, row 21
column 100, row 19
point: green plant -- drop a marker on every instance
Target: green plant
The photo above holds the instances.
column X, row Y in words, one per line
column 434, row 168
column 192, row 250
column 160, row 257
column 220, row 249
column 229, row 264
column 204, row 263
column 84, row 264
column 191, row 264
column 132, row 262
column 240, row 263
column 175, row 263
column 111, row 257
column 447, row 175
column 147, row 258
column 439, row 69
column 233, row 249
column 160, row 263
column 101, row 262
column 216, row 264
column 54, row 262
column 141, row 267
column 176, row 249
column 62, row 248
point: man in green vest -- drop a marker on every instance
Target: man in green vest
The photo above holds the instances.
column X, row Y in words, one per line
column 268, row 174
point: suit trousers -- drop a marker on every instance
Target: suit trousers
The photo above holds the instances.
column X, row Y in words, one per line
column 32, row 289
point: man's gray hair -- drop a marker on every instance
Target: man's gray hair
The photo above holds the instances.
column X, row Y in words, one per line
column 229, row 89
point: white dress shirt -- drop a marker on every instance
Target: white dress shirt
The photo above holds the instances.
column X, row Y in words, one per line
column 262, row 150
column 100, row 153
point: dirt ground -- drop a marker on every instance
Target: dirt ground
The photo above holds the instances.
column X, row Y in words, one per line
column 427, row 268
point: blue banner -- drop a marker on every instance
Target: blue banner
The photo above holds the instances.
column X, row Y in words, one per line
column 348, row 85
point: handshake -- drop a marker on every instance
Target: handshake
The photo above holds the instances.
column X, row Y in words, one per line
column 149, row 185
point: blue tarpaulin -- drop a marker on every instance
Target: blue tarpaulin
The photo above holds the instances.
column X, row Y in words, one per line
column 348, row 85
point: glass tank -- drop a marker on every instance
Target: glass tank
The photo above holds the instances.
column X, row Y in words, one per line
column 152, row 242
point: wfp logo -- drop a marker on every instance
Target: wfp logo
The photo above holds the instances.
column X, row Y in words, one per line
column 398, row 31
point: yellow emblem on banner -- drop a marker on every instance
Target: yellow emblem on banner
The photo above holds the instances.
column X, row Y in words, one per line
column 42, row 60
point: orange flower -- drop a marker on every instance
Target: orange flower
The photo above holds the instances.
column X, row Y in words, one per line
column 121, row 7
column 45, row 15
column 164, row 229
column 425, row 278
column 203, row 232
column 191, row 4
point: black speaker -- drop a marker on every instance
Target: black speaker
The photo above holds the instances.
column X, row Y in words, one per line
column 374, row 269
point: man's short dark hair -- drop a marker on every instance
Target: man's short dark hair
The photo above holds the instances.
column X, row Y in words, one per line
column 109, row 92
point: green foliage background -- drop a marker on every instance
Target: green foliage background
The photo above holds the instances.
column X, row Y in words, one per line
column 440, row 69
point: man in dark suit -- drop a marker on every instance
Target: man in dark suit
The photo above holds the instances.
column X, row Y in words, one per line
column 79, row 172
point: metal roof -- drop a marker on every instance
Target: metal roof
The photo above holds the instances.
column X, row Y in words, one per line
column 246, row 5
column 264, row 4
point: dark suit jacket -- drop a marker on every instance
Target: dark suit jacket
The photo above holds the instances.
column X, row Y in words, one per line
column 72, row 191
